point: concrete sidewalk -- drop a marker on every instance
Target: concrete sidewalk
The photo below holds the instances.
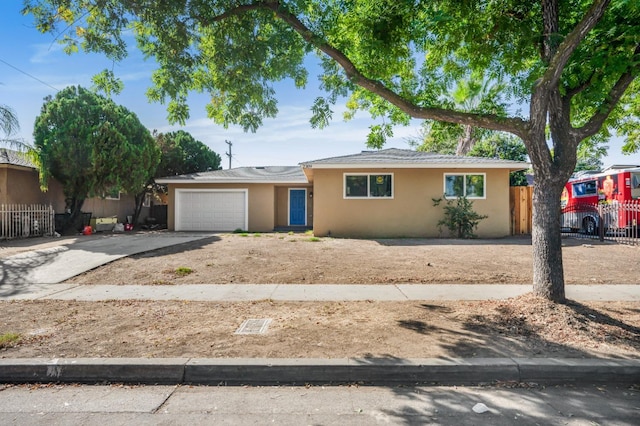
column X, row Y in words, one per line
column 304, row 292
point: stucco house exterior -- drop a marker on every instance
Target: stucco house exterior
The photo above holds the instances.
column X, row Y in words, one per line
column 378, row 194
column 19, row 184
column 258, row 199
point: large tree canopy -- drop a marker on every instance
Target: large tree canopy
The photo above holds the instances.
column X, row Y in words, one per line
column 92, row 146
column 572, row 65
column 182, row 154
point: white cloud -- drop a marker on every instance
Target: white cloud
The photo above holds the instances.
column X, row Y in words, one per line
column 45, row 53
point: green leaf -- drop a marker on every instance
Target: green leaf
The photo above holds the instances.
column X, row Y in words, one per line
column 378, row 135
column 322, row 113
column 107, row 82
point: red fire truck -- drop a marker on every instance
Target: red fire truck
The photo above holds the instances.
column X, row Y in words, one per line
column 609, row 199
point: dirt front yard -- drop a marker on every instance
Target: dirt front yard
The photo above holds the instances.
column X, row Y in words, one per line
column 520, row 327
column 304, row 259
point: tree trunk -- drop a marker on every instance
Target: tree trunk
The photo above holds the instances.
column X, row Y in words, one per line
column 74, row 221
column 139, row 200
column 548, row 276
column 466, row 141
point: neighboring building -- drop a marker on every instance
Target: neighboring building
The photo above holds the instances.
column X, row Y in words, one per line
column 19, row 184
column 386, row 193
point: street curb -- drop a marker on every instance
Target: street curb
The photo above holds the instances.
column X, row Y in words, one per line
column 368, row 371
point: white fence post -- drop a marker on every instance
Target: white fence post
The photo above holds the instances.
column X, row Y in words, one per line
column 22, row 221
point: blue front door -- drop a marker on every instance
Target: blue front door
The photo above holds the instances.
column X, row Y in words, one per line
column 297, row 207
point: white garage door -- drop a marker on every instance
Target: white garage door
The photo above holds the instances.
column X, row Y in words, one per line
column 211, row 210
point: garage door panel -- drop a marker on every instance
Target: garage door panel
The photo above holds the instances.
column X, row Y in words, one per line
column 211, row 210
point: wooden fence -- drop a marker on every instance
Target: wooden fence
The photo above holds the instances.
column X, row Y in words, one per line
column 520, row 201
column 23, row 221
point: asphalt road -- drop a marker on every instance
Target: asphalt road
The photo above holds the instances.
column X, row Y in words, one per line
column 316, row 405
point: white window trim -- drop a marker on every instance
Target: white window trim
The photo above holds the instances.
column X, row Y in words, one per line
column 368, row 197
column 147, row 200
column 108, row 197
column 464, row 175
column 289, row 206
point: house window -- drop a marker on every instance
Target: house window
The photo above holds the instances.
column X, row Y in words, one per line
column 470, row 185
column 113, row 194
column 147, row 200
column 366, row 185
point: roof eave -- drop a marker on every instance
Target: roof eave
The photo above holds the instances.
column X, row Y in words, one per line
column 522, row 166
column 241, row 181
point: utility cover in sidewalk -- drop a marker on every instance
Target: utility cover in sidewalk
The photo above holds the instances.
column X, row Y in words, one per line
column 254, row 326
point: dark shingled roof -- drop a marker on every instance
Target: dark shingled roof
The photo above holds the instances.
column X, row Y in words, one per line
column 272, row 174
column 14, row 158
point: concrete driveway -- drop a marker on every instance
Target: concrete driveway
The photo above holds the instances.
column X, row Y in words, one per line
column 51, row 261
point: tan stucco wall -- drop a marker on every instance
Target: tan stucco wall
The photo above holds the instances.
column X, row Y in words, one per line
column 19, row 185
column 261, row 199
column 411, row 212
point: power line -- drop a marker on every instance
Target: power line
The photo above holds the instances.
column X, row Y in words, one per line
column 28, row 75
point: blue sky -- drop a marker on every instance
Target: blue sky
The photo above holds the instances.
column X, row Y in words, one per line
column 286, row 140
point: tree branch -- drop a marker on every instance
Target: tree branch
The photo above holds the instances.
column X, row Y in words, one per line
column 239, row 10
column 572, row 92
column 596, row 122
column 488, row 121
column 551, row 78
column 551, row 26
column 552, row 75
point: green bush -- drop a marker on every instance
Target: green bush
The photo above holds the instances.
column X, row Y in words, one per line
column 459, row 217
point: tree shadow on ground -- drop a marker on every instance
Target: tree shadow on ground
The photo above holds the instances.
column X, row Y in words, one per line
column 436, row 308
column 535, row 329
column 509, row 404
column 586, row 314
column 504, row 330
column 417, row 326
column 14, row 270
